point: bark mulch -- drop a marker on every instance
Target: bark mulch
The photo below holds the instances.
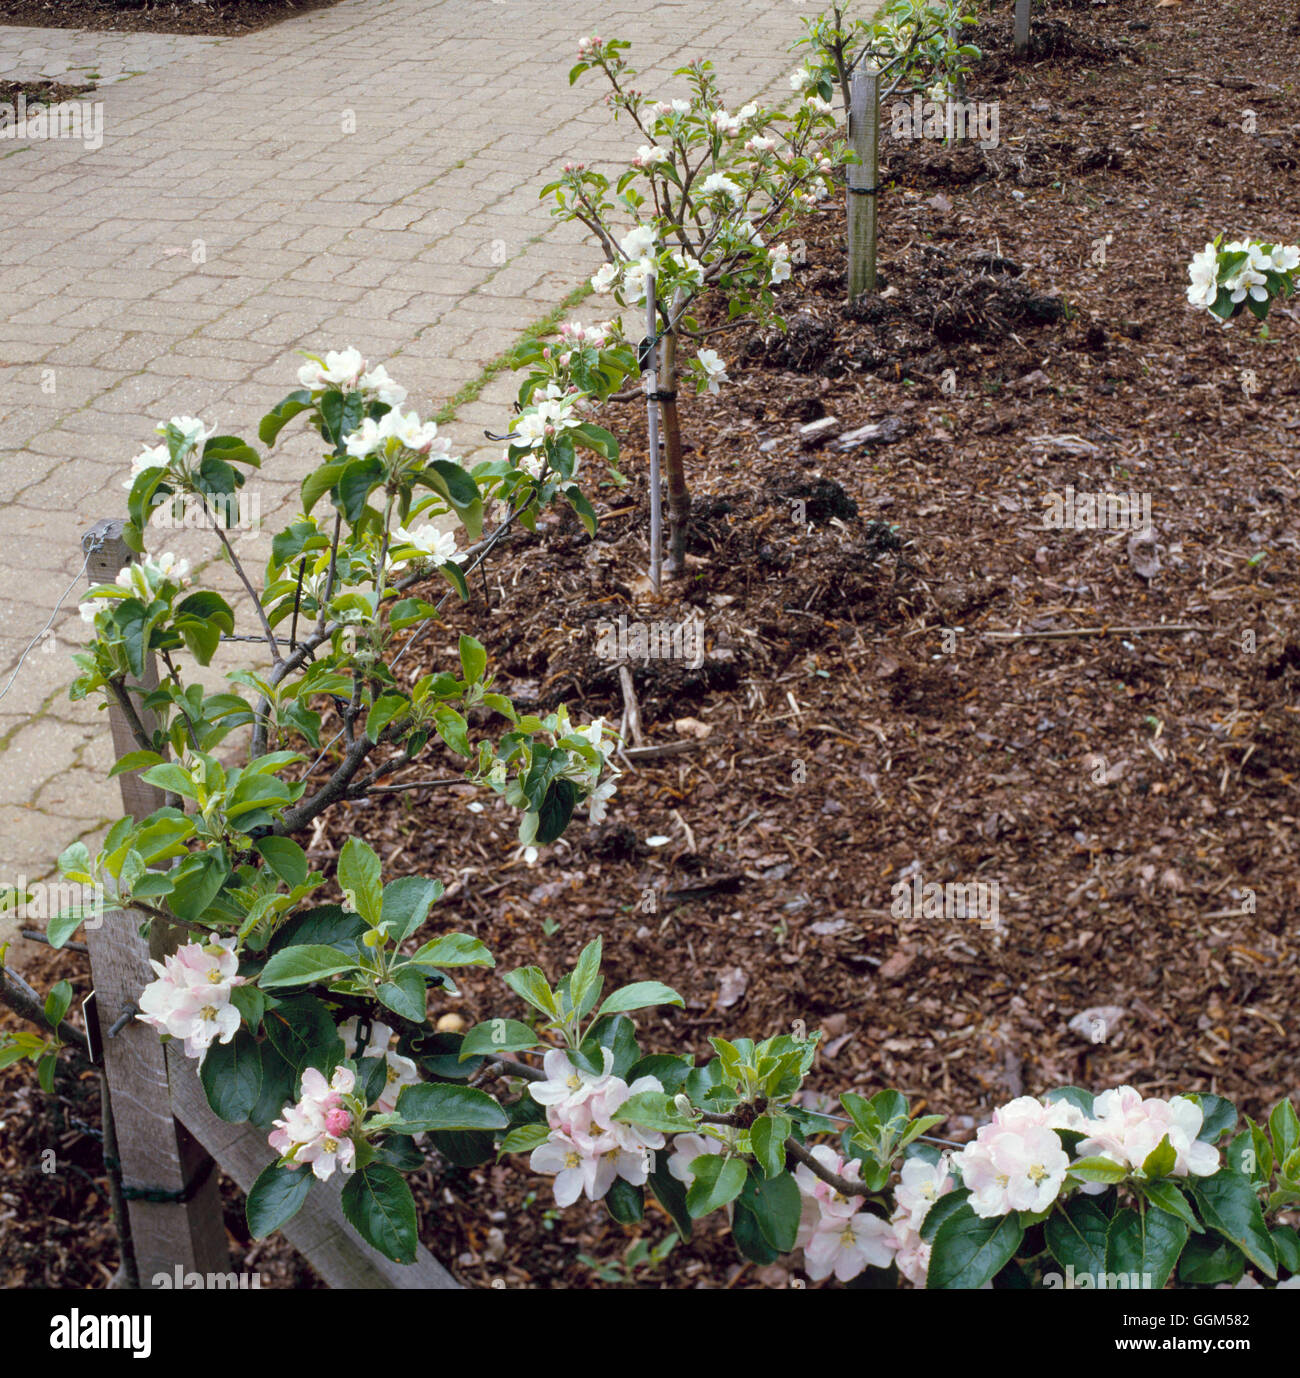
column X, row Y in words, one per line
column 222, row 18
column 907, row 671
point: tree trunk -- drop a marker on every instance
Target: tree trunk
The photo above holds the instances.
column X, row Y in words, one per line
column 679, row 499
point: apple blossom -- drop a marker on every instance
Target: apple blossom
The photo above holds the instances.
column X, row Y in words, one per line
column 686, row 1148
column 638, row 242
column 603, row 278
column 339, row 369
column 377, row 381
column 440, row 546
column 719, row 184
column 1127, row 1129
column 190, row 999
column 847, row 1246
column 920, row 1186
column 714, row 366
column 1012, row 1170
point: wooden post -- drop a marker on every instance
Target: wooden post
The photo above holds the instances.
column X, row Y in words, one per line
column 1022, row 27
column 652, row 429
column 168, row 1136
column 863, row 179
column 157, row 1154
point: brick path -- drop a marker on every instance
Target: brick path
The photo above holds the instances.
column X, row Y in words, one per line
column 227, row 220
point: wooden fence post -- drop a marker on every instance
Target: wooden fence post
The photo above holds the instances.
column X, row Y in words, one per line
column 169, row 1139
column 157, row 1154
column 863, row 179
column 1022, row 27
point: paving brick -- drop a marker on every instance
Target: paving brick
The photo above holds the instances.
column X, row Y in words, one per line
column 418, row 238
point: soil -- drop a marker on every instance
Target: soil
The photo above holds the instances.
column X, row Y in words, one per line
column 218, row 17
column 44, row 92
column 906, row 669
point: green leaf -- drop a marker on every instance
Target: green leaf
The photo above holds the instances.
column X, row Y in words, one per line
column 195, row 883
column 748, row 1237
column 1210, row 1260
column 302, row 1031
column 473, row 658
column 359, row 879
column 671, row 1195
column 231, row 1076
column 385, row 710
column 453, row 574
column 497, row 1036
column 1167, row 1197
column 1076, row 1235
column 57, row 1002
column 275, row 1198
column 405, row 994
column 300, row 966
column 768, row 1136
column 63, row 925
column 170, row 776
column 133, row 760
column 454, row 950
column 1143, row 1244
column 281, row 414
column 525, row 1138
column 585, row 972
column 1098, row 1170
column 655, row 1110
column 625, row 1202
column 530, row 984
column 968, row 1251
column 715, row 1182
column 327, row 924
column 556, row 811
column 285, row 858
column 406, row 904
column 1220, row 1116
column 948, row 1204
column 640, row 995
column 453, row 729
column 380, row 1207
column 440, row 1105
column 1284, row 1130
column 1286, row 1243
column 776, row 1203
column 1229, row 1205
column 1161, row 1161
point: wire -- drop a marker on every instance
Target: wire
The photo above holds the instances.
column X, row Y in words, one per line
column 90, row 550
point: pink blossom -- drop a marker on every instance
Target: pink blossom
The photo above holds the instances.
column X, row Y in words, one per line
column 1126, row 1129
column 1012, row 1170
column 190, row 1000
column 848, row 1246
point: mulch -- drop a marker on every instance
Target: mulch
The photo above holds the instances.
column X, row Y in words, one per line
column 906, row 669
column 222, row 18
